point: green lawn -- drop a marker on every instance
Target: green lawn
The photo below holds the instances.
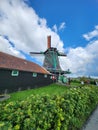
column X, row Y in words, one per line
column 53, row 89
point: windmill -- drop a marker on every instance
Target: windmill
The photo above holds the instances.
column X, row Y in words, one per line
column 51, row 60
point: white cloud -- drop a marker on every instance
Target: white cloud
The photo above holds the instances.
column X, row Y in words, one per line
column 91, row 34
column 82, row 61
column 6, row 47
column 55, row 29
column 62, row 26
column 24, row 28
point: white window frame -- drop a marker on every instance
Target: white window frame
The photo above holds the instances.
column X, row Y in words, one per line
column 34, row 74
column 15, row 73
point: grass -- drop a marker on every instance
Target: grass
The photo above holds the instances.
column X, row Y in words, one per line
column 53, row 89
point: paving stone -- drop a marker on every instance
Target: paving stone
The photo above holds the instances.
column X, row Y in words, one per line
column 92, row 123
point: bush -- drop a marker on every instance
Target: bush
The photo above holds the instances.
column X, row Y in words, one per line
column 58, row 112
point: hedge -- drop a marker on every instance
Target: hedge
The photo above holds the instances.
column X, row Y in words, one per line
column 58, row 112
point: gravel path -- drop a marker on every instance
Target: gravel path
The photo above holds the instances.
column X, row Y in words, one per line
column 92, row 123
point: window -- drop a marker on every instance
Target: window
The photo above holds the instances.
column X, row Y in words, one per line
column 15, row 72
column 45, row 75
column 34, row 74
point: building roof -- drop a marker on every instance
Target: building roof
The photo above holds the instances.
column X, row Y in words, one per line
column 11, row 62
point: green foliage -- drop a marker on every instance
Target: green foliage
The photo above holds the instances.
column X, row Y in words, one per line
column 66, row 111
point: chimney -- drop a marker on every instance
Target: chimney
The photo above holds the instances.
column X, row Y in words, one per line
column 49, row 42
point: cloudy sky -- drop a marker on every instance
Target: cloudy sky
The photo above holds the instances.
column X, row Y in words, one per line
column 73, row 26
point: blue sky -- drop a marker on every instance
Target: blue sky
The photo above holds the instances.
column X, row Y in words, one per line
column 73, row 26
column 80, row 16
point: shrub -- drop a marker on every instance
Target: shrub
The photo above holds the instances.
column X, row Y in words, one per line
column 57, row 112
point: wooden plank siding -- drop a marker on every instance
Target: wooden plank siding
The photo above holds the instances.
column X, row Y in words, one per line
column 30, row 75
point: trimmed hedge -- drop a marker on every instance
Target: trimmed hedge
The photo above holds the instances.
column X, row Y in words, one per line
column 64, row 112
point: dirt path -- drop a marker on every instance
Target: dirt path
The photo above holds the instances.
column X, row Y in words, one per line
column 92, row 123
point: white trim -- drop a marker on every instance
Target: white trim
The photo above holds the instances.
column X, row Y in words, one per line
column 34, row 74
column 15, row 73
